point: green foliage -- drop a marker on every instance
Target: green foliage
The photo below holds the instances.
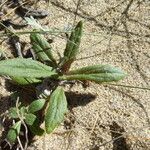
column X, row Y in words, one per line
column 42, row 48
column 56, row 110
column 13, row 112
column 35, row 128
column 14, row 132
column 25, row 71
column 25, row 81
column 36, row 105
column 16, row 112
column 26, row 68
column 52, row 108
column 96, row 69
column 72, row 47
column 97, row 73
column 29, row 119
column 27, row 114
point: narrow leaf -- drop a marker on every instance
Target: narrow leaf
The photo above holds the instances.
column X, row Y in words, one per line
column 94, row 69
column 98, row 78
column 40, row 54
column 72, row 47
column 25, row 81
column 26, row 68
column 29, row 119
column 56, row 110
column 42, row 48
column 96, row 73
column 36, row 105
column 14, row 132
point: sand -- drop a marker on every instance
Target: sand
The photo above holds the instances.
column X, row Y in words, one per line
column 116, row 33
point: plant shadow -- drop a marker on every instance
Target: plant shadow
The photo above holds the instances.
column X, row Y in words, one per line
column 116, row 132
column 76, row 99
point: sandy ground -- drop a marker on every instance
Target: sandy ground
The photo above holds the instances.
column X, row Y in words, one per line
column 118, row 33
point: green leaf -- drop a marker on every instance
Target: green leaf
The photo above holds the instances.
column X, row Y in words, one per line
column 25, row 81
column 39, row 52
column 14, row 132
column 42, row 48
column 72, row 47
column 35, row 128
column 16, row 113
column 56, row 110
column 30, row 118
column 13, row 112
column 26, row 68
column 36, row 105
column 94, row 69
column 23, row 111
column 96, row 73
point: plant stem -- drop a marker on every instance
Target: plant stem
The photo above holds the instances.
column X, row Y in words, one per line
column 19, row 141
column 129, row 86
column 29, row 32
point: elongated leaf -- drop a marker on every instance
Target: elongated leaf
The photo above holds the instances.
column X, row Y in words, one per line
column 94, row 69
column 98, row 78
column 14, row 132
column 72, row 47
column 30, row 118
column 36, row 105
column 25, row 81
column 42, row 48
column 56, row 110
column 39, row 52
column 96, row 73
column 26, row 68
